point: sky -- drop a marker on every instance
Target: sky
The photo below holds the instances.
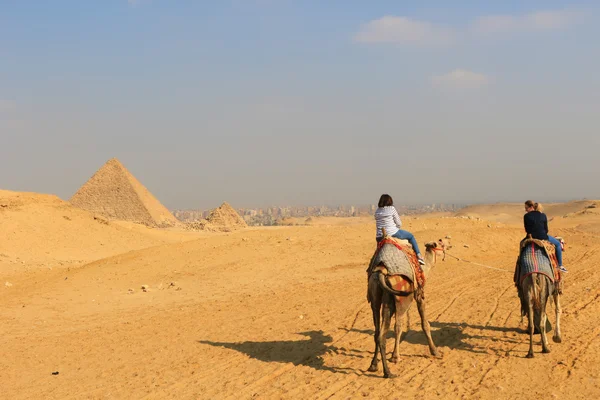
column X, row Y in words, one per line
column 289, row 102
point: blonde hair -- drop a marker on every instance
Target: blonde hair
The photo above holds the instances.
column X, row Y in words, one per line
column 536, row 206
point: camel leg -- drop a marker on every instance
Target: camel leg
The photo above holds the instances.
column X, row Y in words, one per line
column 386, row 316
column 408, row 318
column 402, row 307
column 545, row 292
column 376, row 308
column 557, row 336
column 545, row 348
column 531, row 323
column 397, row 333
column 425, row 326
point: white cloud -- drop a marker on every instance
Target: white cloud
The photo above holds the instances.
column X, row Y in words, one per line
column 407, row 31
column 461, row 79
column 536, row 21
column 402, row 30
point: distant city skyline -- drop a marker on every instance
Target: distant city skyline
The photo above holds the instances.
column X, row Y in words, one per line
column 277, row 215
column 396, row 204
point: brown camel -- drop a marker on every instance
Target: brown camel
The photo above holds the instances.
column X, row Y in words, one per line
column 534, row 290
column 386, row 302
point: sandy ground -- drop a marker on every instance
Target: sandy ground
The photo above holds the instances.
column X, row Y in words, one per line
column 275, row 312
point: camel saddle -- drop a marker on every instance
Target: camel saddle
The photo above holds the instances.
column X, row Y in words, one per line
column 395, row 258
column 537, row 256
column 401, row 242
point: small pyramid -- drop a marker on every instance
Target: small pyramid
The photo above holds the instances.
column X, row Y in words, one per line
column 115, row 193
column 226, row 217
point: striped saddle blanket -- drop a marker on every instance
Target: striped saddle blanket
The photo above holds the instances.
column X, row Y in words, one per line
column 536, row 257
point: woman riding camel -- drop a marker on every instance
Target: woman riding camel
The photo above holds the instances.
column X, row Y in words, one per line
column 387, row 217
column 536, row 225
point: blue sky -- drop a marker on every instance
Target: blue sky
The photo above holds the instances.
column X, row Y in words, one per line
column 263, row 102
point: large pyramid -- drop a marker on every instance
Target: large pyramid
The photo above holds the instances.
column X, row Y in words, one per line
column 114, row 193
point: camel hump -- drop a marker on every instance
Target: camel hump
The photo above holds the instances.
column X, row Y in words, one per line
column 401, row 242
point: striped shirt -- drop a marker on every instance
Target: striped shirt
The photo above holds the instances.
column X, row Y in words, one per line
column 388, row 218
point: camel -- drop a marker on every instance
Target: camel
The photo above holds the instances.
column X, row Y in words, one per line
column 386, row 302
column 534, row 291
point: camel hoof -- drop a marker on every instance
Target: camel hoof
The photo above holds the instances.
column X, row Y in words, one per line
column 389, row 376
column 545, row 351
column 529, row 355
column 435, row 353
column 394, row 360
column 557, row 339
column 373, row 368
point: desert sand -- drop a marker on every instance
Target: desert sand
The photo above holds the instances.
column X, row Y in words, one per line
column 277, row 312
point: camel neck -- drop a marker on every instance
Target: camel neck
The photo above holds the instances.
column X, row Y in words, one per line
column 429, row 262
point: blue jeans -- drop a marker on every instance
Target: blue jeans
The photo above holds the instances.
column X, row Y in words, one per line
column 406, row 235
column 558, row 248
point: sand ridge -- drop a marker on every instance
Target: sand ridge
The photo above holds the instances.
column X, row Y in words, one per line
column 513, row 212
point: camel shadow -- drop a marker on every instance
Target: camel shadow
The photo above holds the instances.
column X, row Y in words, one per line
column 504, row 329
column 453, row 333
column 448, row 334
column 308, row 352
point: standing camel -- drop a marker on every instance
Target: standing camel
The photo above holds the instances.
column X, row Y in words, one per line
column 536, row 283
column 386, row 302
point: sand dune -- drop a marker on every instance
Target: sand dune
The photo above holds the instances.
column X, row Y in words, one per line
column 43, row 230
column 275, row 312
column 513, row 212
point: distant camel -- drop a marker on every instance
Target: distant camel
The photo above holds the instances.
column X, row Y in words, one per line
column 385, row 302
column 535, row 286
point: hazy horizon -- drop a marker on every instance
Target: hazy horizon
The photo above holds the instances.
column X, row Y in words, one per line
column 281, row 102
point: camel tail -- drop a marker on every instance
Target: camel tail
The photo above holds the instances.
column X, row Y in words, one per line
column 388, row 289
column 537, row 301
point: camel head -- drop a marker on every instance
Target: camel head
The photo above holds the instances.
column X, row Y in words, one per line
column 433, row 250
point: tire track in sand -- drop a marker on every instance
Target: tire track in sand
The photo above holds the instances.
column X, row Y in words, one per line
column 497, row 305
column 456, row 297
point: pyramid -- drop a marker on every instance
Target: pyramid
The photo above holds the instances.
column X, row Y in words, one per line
column 115, row 193
column 225, row 216
column 221, row 219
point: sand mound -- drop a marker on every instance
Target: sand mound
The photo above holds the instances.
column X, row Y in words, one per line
column 41, row 229
column 116, row 194
column 221, row 219
column 289, row 221
column 571, row 208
